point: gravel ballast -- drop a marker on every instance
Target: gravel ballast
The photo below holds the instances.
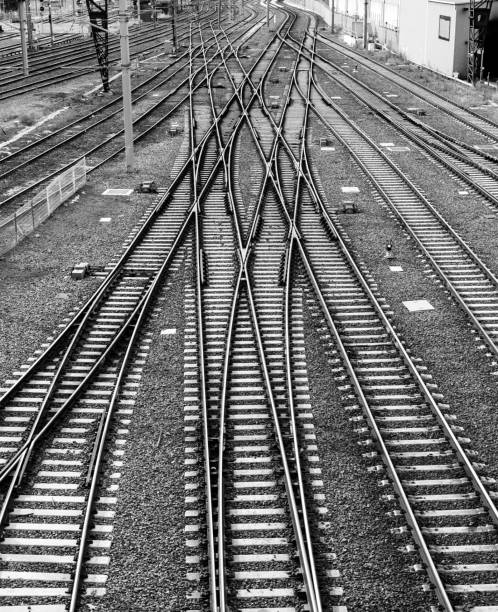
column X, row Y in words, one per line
column 147, row 569
column 37, row 290
column 442, row 337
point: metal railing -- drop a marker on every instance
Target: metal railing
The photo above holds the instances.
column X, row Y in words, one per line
column 27, row 218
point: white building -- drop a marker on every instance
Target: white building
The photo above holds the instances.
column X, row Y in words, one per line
column 433, row 33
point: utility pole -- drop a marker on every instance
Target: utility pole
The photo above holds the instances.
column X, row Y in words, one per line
column 365, row 26
column 332, row 16
column 24, row 46
column 125, row 80
column 219, row 14
column 138, row 14
column 173, row 24
column 29, row 25
column 268, row 14
column 50, row 22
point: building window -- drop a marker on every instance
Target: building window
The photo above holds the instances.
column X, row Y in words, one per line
column 444, row 27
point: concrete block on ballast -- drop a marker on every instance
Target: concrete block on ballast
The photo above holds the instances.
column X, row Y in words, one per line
column 80, row 270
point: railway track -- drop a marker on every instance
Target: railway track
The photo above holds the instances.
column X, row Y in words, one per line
column 472, row 284
column 89, row 369
column 482, row 125
column 446, row 501
column 154, row 98
column 257, row 507
column 477, row 169
column 253, row 481
column 77, row 60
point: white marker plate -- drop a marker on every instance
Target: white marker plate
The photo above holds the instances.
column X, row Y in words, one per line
column 386, row 144
column 126, row 193
column 350, row 190
column 463, row 193
column 168, row 332
column 105, row 219
column 416, row 305
column 396, row 268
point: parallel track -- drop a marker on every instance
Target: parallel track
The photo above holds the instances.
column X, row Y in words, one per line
column 252, row 257
column 482, row 125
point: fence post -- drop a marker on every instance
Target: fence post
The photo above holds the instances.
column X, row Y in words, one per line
column 32, row 214
column 48, row 200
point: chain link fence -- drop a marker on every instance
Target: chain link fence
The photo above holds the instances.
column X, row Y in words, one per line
column 27, row 218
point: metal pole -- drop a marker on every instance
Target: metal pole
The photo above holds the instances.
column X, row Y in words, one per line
column 219, row 14
column 125, row 80
column 24, row 46
column 332, row 16
column 138, row 14
column 268, row 14
column 365, row 26
column 173, row 24
column 29, row 25
column 50, row 22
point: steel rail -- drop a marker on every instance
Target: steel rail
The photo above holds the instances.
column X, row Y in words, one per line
column 91, row 114
column 451, row 437
column 449, row 147
column 141, row 305
column 461, row 243
column 303, row 544
column 109, row 139
column 56, row 344
column 411, row 519
column 39, row 62
column 212, row 567
column 449, row 140
column 136, row 47
column 426, row 90
column 218, row 586
column 288, row 343
column 238, row 125
column 485, row 497
column 244, row 253
column 100, row 442
column 84, row 314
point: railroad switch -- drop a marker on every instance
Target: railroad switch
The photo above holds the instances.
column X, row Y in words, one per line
column 147, row 187
column 80, row 271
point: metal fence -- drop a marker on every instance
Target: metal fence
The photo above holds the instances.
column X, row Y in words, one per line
column 27, row 218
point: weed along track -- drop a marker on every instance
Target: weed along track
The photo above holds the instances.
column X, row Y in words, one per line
column 249, row 247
